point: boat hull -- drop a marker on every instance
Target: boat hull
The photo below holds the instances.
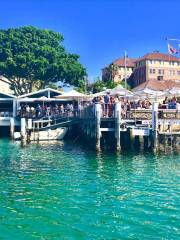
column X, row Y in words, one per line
column 55, row 134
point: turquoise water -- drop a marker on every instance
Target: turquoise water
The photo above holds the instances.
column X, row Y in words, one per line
column 62, row 191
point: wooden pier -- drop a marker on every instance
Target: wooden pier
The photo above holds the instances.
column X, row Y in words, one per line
column 101, row 128
column 138, row 123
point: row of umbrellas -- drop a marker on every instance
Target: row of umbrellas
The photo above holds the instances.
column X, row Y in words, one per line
column 122, row 92
column 119, row 90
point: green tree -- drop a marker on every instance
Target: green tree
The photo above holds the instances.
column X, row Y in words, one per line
column 32, row 58
column 113, row 68
column 98, row 85
column 81, row 86
column 111, row 84
column 127, row 85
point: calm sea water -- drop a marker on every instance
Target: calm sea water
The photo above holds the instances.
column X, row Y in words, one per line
column 61, row 191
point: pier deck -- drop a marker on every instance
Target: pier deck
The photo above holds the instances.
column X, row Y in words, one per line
column 93, row 123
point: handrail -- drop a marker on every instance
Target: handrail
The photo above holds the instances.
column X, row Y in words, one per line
column 6, row 114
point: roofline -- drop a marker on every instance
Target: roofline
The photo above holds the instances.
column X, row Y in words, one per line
column 40, row 91
column 8, row 95
column 113, row 62
column 145, row 57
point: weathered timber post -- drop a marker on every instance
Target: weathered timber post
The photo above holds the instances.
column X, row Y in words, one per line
column 98, row 111
column 23, row 128
column 12, row 127
column 155, row 124
column 118, row 126
column 29, row 128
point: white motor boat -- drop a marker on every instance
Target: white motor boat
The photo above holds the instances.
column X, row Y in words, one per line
column 49, row 134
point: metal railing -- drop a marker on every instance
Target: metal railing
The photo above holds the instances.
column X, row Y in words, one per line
column 107, row 111
column 4, row 112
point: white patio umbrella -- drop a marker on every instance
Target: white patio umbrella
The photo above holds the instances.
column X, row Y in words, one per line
column 121, row 91
column 175, row 91
column 73, row 94
column 149, row 93
column 102, row 93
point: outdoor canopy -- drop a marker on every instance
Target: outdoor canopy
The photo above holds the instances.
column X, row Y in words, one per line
column 121, row 91
column 73, row 94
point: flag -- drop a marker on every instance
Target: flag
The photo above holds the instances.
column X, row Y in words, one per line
column 172, row 50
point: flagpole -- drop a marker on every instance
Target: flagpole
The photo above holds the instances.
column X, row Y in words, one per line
column 167, row 39
column 125, row 79
column 125, row 65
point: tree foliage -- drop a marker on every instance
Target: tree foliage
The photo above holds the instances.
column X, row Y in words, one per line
column 32, row 58
column 100, row 85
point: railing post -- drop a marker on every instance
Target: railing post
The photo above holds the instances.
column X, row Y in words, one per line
column 98, row 111
column 118, row 125
column 155, row 124
column 14, row 108
column 29, row 124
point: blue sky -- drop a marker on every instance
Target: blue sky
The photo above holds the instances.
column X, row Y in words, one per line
column 99, row 30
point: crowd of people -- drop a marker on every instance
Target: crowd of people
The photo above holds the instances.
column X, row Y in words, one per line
column 107, row 102
column 48, row 110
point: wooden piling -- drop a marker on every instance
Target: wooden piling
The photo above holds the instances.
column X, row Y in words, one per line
column 12, row 127
column 155, row 125
column 29, row 129
column 118, row 126
column 23, row 128
column 98, row 111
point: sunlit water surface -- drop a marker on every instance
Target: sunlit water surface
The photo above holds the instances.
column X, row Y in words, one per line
column 62, row 191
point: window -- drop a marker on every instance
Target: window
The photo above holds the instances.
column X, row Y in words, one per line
column 159, row 78
column 161, row 72
column 178, row 72
column 150, row 61
column 154, row 71
column 171, row 63
column 150, row 70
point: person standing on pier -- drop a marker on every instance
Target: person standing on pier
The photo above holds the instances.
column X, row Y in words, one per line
column 106, row 103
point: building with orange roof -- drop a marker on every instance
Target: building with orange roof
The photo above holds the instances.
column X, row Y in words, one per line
column 155, row 85
column 155, row 66
column 152, row 66
column 116, row 70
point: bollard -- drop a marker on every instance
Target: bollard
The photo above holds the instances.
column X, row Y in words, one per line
column 98, row 111
column 12, row 127
column 118, row 126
